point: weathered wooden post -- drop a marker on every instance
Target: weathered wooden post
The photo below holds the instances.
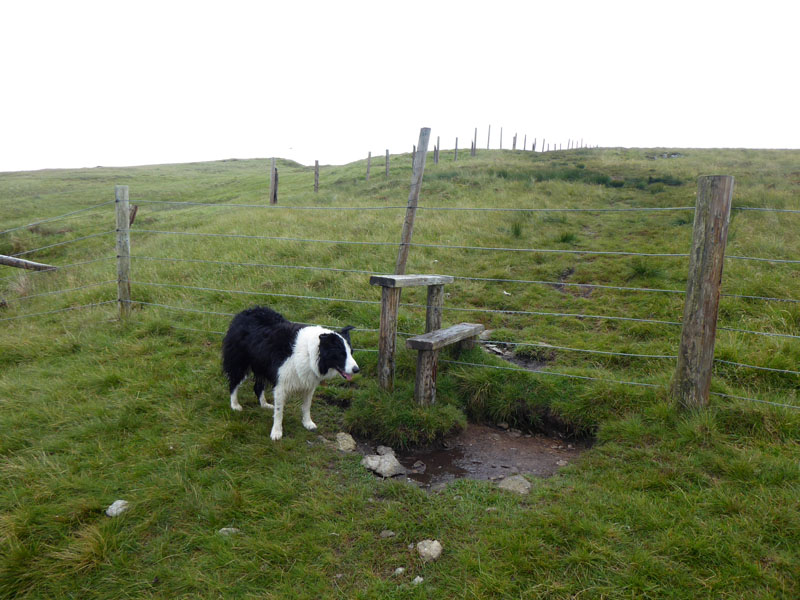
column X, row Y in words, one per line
column 533, row 148
column 692, row 380
column 501, row 138
column 19, row 263
column 514, row 142
column 475, row 143
column 413, row 199
column 316, row 176
column 273, row 183
column 387, row 162
column 489, row 137
column 525, row 143
column 455, row 154
column 123, row 250
column 369, row 162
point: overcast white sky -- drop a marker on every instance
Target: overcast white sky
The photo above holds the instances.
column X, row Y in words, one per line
column 109, row 83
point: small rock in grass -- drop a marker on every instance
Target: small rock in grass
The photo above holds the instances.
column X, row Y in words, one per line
column 387, row 533
column 562, row 463
column 515, row 483
column 417, row 580
column 385, row 466
column 399, row 571
column 117, row 508
column 229, row 531
column 384, row 451
column 429, row 550
column 345, row 442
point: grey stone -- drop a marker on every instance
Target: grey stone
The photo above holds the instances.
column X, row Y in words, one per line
column 515, row 483
column 117, row 508
column 417, row 580
column 384, row 451
column 429, row 550
column 387, row 533
column 229, row 531
column 345, row 442
column 385, row 466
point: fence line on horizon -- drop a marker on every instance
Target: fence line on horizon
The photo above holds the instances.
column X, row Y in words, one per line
column 134, row 281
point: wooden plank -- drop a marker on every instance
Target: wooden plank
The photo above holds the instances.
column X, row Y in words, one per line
column 390, row 301
column 10, row 261
column 400, row 281
column 123, row 250
column 692, row 380
column 442, row 337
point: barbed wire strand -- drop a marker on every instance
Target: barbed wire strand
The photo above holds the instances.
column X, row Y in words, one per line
column 404, row 207
column 755, row 400
column 605, row 352
column 78, row 239
column 60, row 267
column 50, row 312
column 736, row 364
column 458, row 277
column 51, row 219
column 64, row 291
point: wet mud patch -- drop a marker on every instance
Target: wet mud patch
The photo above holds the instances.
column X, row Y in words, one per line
column 489, row 453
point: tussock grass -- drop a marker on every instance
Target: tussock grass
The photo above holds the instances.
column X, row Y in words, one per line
column 665, row 504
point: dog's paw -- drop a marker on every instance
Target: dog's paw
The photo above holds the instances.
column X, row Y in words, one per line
column 276, row 435
column 236, row 406
column 267, row 405
column 310, row 425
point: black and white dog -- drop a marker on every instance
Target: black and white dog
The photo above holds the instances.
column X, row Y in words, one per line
column 294, row 358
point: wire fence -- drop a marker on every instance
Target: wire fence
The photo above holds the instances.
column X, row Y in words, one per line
column 483, row 310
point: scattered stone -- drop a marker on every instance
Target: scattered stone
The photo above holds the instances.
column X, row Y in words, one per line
column 384, row 451
column 399, row 571
column 562, row 463
column 417, row 580
column 515, row 483
column 439, row 487
column 117, row 508
column 491, row 509
column 503, row 425
column 429, row 550
column 515, row 433
column 384, row 465
column 229, row 531
column 387, row 533
column 345, row 442
column 419, row 467
column 570, row 447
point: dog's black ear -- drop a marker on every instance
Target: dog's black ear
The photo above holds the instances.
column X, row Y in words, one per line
column 345, row 332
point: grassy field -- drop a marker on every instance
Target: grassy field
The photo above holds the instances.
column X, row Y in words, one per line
column 665, row 505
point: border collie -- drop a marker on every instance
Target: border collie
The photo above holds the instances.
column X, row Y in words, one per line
column 292, row 357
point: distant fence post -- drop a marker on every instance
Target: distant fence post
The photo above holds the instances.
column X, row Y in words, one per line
column 455, row 155
column 692, row 380
column 514, row 142
column 489, row 137
column 369, row 162
column 501, row 138
column 525, row 142
column 316, row 176
column 273, row 183
column 387, row 162
column 475, row 142
column 123, row 250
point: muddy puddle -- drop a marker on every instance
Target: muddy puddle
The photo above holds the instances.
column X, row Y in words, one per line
column 489, row 453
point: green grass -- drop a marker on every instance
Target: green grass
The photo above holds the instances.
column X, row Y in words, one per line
column 665, row 505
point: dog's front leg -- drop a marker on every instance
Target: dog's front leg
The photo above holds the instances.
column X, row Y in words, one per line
column 277, row 414
column 307, row 422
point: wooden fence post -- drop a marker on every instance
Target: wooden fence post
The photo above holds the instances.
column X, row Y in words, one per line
column 501, row 138
column 692, row 380
column 316, row 176
column 489, row 137
column 525, row 143
column 123, row 250
column 475, row 143
column 413, row 199
column 369, row 163
column 273, row 185
column 387, row 162
column 514, row 142
column 455, row 155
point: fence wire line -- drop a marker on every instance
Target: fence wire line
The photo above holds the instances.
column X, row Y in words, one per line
column 736, row 364
column 64, row 291
column 60, row 267
column 549, row 346
column 764, row 333
column 69, row 214
column 50, row 312
column 404, row 207
column 413, row 244
column 755, row 400
column 463, row 278
column 553, row 373
column 78, row 239
column 779, row 210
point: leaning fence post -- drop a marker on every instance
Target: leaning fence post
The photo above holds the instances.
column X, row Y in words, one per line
column 413, row 199
column 123, row 250
column 692, row 380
